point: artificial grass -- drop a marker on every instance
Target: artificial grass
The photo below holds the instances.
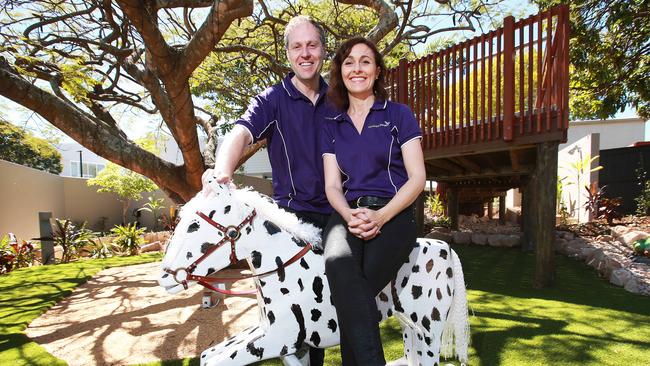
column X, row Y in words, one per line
column 582, row 320
column 28, row 292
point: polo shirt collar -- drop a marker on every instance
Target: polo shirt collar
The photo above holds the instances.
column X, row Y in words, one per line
column 294, row 93
column 378, row 105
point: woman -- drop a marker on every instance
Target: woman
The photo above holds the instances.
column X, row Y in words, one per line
column 374, row 170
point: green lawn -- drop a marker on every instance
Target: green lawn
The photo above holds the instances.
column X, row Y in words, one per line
column 581, row 321
column 28, row 292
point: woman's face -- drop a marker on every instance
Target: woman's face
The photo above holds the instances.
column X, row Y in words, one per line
column 359, row 71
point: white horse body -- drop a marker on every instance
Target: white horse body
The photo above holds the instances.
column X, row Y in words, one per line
column 427, row 296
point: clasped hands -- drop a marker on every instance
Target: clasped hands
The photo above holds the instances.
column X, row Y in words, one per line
column 365, row 223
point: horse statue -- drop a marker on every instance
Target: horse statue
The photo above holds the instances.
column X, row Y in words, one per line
column 216, row 230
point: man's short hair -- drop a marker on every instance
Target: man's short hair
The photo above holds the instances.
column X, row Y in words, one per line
column 300, row 19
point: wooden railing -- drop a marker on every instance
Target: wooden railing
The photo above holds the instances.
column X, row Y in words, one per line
column 503, row 85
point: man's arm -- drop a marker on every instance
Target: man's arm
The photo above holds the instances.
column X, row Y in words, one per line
column 231, row 150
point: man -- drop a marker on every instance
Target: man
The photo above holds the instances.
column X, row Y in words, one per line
column 290, row 116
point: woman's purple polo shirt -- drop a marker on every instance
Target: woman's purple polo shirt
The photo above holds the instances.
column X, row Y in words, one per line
column 292, row 126
column 371, row 162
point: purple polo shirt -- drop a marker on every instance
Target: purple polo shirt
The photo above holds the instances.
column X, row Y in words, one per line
column 371, row 162
column 292, row 126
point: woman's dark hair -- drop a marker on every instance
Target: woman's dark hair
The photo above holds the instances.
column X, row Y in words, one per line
column 338, row 94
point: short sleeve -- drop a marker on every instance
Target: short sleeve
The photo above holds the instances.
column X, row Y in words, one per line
column 261, row 113
column 408, row 127
column 327, row 138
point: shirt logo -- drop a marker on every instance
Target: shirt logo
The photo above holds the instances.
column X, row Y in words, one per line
column 385, row 124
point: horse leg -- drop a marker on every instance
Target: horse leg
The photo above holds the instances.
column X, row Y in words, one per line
column 229, row 351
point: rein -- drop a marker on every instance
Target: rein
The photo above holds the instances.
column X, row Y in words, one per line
column 230, row 235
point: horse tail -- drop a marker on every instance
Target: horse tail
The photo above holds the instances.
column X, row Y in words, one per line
column 456, row 333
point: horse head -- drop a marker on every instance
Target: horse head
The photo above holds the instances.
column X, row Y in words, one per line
column 208, row 238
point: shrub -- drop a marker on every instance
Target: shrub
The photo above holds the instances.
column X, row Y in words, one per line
column 435, row 205
column 71, row 239
column 129, row 238
column 14, row 255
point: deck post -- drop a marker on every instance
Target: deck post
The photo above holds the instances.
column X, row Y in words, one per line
column 502, row 210
column 452, row 207
column 544, row 213
column 528, row 204
column 508, row 77
column 490, row 208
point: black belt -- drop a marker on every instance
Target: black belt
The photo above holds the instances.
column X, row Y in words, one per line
column 369, row 202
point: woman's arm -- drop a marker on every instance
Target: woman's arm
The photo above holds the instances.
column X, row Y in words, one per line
column 334, row 187
column 408, row 193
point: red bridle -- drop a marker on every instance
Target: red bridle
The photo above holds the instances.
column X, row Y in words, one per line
column 230, row 235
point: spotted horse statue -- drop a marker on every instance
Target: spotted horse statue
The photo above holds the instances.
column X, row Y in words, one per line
column 215, row 230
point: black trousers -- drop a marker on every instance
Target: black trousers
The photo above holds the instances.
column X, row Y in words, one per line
column 316, row 355
column 357, row 271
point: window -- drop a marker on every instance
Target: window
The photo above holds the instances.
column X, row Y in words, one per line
column 90, row 170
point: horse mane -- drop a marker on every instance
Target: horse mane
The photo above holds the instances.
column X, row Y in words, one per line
column 268, row 209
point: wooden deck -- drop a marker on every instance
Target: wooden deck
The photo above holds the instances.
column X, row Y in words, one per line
column 493, row 110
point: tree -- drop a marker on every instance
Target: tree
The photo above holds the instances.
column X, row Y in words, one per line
column 610, row 56
column 126, row 184
column 75, row 62
column 20, row 147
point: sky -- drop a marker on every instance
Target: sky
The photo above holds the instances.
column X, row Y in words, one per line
column 131, row 120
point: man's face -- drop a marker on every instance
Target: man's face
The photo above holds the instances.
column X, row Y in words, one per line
column 305, row 52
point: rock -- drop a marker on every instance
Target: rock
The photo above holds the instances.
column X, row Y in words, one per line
column 461, row 237
column 605, row 238
column 585, row 253
column 632, row 286
column 479, row 239
column 630, row 237
column 595, row 258
column 619, row 230
column 560, row 245
column 610, row 265
column 620, row 277
column 156, row 246
column 495, row 240
column 510, row 241
column 566, row 235
column 640, row 259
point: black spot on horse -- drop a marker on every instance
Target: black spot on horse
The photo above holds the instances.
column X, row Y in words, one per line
column 317, row 286
column 419, row 337
column 397, row 304
column 331, row 324
column 284, row 290
column 262, row 283
column 233, row 355
column 425, row 250
column 416, row 291
column 429, row 353
column 405, row 280
column 438, row 275
column 448, row 290
column 300, row 319
column 284, row 350
column 256, row 259
column 429, row 294
column 426, row 323
column 406, row 336
column 210, row 271
column 248, row 229
column 165, row 275
column 255, row 351
column 226, row 210
column 435, row 314
column 303, row 263
column 414, row 317
column 383, row 297
column 299, row 242
column 189, row 255
column 300, row 284
column 280, row 264
column 211, row 215
column 443, row 253
column 271, row 228
column 315, row 315
column 389, row 313
column 193, row 227
column 429, row 265
column 419, row 353
column 271, row 317
column 206, row 246
column 267, row 300
column 315, row 338
column 439, row 293
column 416, row 269
column 427, row 340
column 450, row 272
